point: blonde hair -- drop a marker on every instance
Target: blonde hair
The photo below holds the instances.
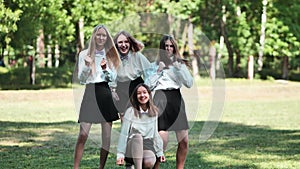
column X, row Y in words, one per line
column 111, row 52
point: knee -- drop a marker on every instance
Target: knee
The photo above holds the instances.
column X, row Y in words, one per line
column 148, row 162
column 82, row 137
column 184, row 143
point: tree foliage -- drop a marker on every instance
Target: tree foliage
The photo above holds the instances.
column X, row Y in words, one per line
column 21, row 21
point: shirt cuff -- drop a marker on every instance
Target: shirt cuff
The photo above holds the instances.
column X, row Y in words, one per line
column 120, row 155
column 159, row 154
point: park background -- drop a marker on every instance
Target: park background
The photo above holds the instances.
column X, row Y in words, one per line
column 258, row 125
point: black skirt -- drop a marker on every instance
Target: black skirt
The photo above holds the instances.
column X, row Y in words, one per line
column 172, row 114
column 124, row 91
column 97, row 105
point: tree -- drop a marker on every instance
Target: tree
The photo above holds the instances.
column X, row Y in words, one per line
column 8, row 25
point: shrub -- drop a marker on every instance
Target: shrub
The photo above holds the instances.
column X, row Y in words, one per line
column 19, row 78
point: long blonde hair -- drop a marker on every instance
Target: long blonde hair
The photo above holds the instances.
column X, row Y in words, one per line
column 111, row 52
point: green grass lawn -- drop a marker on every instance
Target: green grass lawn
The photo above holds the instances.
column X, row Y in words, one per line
column 257, row 127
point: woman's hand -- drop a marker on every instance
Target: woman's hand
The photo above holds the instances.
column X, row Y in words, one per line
column 177, row 65
column 161, row 66
column 115, row 95
column 120, row 161
column 162, row 159
column 103, row 64
column 88, row 60
column 122, row 116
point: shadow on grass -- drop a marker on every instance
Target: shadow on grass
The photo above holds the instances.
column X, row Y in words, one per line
column 51, row 145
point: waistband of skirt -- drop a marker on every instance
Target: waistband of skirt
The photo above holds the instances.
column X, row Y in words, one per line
column 129, row 81
column 169, row 90
column 98, row 84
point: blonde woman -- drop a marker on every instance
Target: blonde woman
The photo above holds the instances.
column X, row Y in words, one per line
column 97, row 66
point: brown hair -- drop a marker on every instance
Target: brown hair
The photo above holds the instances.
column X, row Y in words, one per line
column 152, row 109
column 112, row 54
column 135, row 45
column 162, row 54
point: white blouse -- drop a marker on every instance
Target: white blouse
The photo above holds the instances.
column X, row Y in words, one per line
column 172, row 78
column 146, row 125
column 134, row 66
column 84, row 72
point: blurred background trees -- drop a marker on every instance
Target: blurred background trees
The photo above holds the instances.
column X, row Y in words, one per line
column 52, row 32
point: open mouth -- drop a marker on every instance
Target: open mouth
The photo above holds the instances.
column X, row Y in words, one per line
column 124, row 50
column 143, row 99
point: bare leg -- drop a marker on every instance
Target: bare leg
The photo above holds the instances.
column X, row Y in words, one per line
column 129, row 154
column 182, row 149
column 149, row 159
column 82, row 137
column 165, row 137
column 106, row 133
column 136, row 144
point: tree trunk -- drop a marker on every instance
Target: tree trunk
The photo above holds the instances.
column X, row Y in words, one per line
column 262, row 36
column 56, row 55
column 227, row 43
column 250, row 67
column 41, row 49
column 49, row 56
column 238, row 64
column 285, row 67
column 80, row 41
column 191, row 49
column 212, row 56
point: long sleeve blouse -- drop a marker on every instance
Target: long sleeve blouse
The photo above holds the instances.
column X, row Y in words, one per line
column 146, row 125
column 84, row 72
column 171, row 78
column 133, row 66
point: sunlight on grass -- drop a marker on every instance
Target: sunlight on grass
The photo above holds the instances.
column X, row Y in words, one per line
column 258, row 127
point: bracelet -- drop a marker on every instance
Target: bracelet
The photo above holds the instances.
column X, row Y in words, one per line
column 113, row 89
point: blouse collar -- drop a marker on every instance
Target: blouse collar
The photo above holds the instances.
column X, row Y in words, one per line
column 142, row 111
column 100, row 52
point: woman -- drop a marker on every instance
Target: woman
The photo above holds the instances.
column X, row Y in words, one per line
column 96, row 69
column 171, row 73
column 139, row 139
column 132, row 71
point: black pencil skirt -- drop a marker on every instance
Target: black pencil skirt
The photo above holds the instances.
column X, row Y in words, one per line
column 172, row 114
column 97, row 105
column 124, row 91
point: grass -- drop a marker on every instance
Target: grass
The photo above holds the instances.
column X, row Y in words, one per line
column 257, row 128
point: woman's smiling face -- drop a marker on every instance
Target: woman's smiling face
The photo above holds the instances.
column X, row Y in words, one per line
column 100, row 38
column 142, row 95
column 123, row 45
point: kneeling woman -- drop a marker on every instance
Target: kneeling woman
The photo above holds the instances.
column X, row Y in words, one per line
column 139, row 141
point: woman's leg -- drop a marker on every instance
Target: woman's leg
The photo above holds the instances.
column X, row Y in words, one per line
column 136, row 144
column 82, row 137
column 165, row 137
column 149, row 159
column 106, row 134
column 182, row 149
